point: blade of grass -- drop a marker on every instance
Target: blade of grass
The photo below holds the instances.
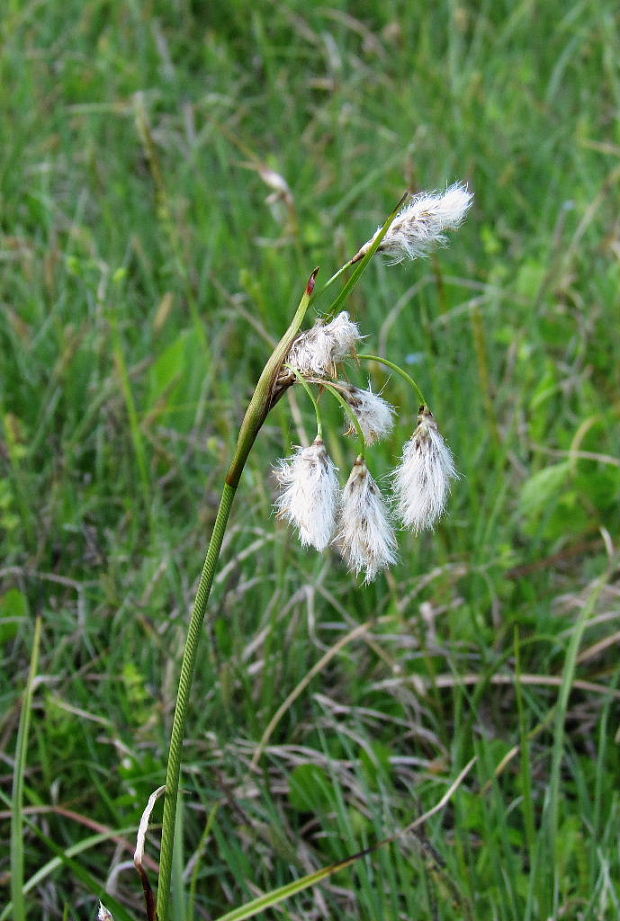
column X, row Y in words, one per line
column 65, row 859
column 527, row 805
column 542, row 892
column 360, row 268
column 178, row 910
column 132, row 413
column 269, row 899
column 191, row 908
column 568, row 676
column 56, row 862
column 17, row 799
column 303, row 684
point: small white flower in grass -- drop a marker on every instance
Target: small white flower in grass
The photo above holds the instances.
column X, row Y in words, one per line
column 365, row 537
column 422, row 481
column 374, row 414
column 421, row 224
column 309, row 499
column 317, row 350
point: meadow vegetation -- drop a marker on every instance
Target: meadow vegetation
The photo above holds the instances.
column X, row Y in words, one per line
column 150, row 259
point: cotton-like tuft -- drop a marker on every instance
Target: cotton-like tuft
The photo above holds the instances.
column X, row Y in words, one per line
column 374, row 414
column 421, row 224
column 310, row 494
column 365, row 538
column 317, row 350
column 345, row 334
column 422, row 480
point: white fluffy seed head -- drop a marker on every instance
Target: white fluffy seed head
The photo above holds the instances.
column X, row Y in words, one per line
column 421, row 224
column 365, row 537
column 345, row 334
column 317, row 350
column 422, row 481
column 310, row 494
column 374, row 414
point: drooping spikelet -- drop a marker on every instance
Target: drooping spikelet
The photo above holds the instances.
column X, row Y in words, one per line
column 374, row 414
column 317, row 350
column 365, row 537
column 345, row 334
column 421, row 224
column 310, row 492
column 422, row 480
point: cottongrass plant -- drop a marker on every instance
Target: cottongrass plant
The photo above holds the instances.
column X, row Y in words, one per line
column 422, row 480
column 318, row 350
column 374, row 414
column 309, row 498
column 420, row 226
column 366, row 537
column 354, row 520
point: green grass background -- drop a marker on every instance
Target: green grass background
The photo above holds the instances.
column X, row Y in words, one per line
column 144, row 273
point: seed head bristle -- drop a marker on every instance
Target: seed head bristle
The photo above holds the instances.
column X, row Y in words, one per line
column 422, row 480
column 365, row 537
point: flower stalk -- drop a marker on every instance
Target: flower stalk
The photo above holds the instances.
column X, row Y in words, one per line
column 366, row 539
column 266, row 394
column 311, row 500
column 183, row 696
column 256, row 413
column 394, row 367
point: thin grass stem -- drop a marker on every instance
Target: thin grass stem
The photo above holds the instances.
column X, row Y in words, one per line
column 568, row 678
column 17, row 805
column 301, row 380
column 272, row 898
column 336, row 275
column 183, row 697
column 132, row 415
column 398, row 370
column 350, row 412
column 255, row 415
column 361, row 266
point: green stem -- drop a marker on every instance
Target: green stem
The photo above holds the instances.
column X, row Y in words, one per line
column 399, row 370
column 183, row 696
column 301, row 380
column 362, row 263
column 260, row 404
column 19, row 770
column 349, row 411
column 336, row 275
column 255, row 415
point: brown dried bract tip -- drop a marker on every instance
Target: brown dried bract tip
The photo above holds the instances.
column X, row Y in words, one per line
column 312, row 281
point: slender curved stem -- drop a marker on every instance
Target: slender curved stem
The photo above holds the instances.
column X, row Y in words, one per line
column 336, row 275
column 350, row 412
column 255, row 415
column 332, row 388
column 17, row 820
column 399, row 370
column 261, row 401
column 183, row 696
column 301, row 380
column 360, row 261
